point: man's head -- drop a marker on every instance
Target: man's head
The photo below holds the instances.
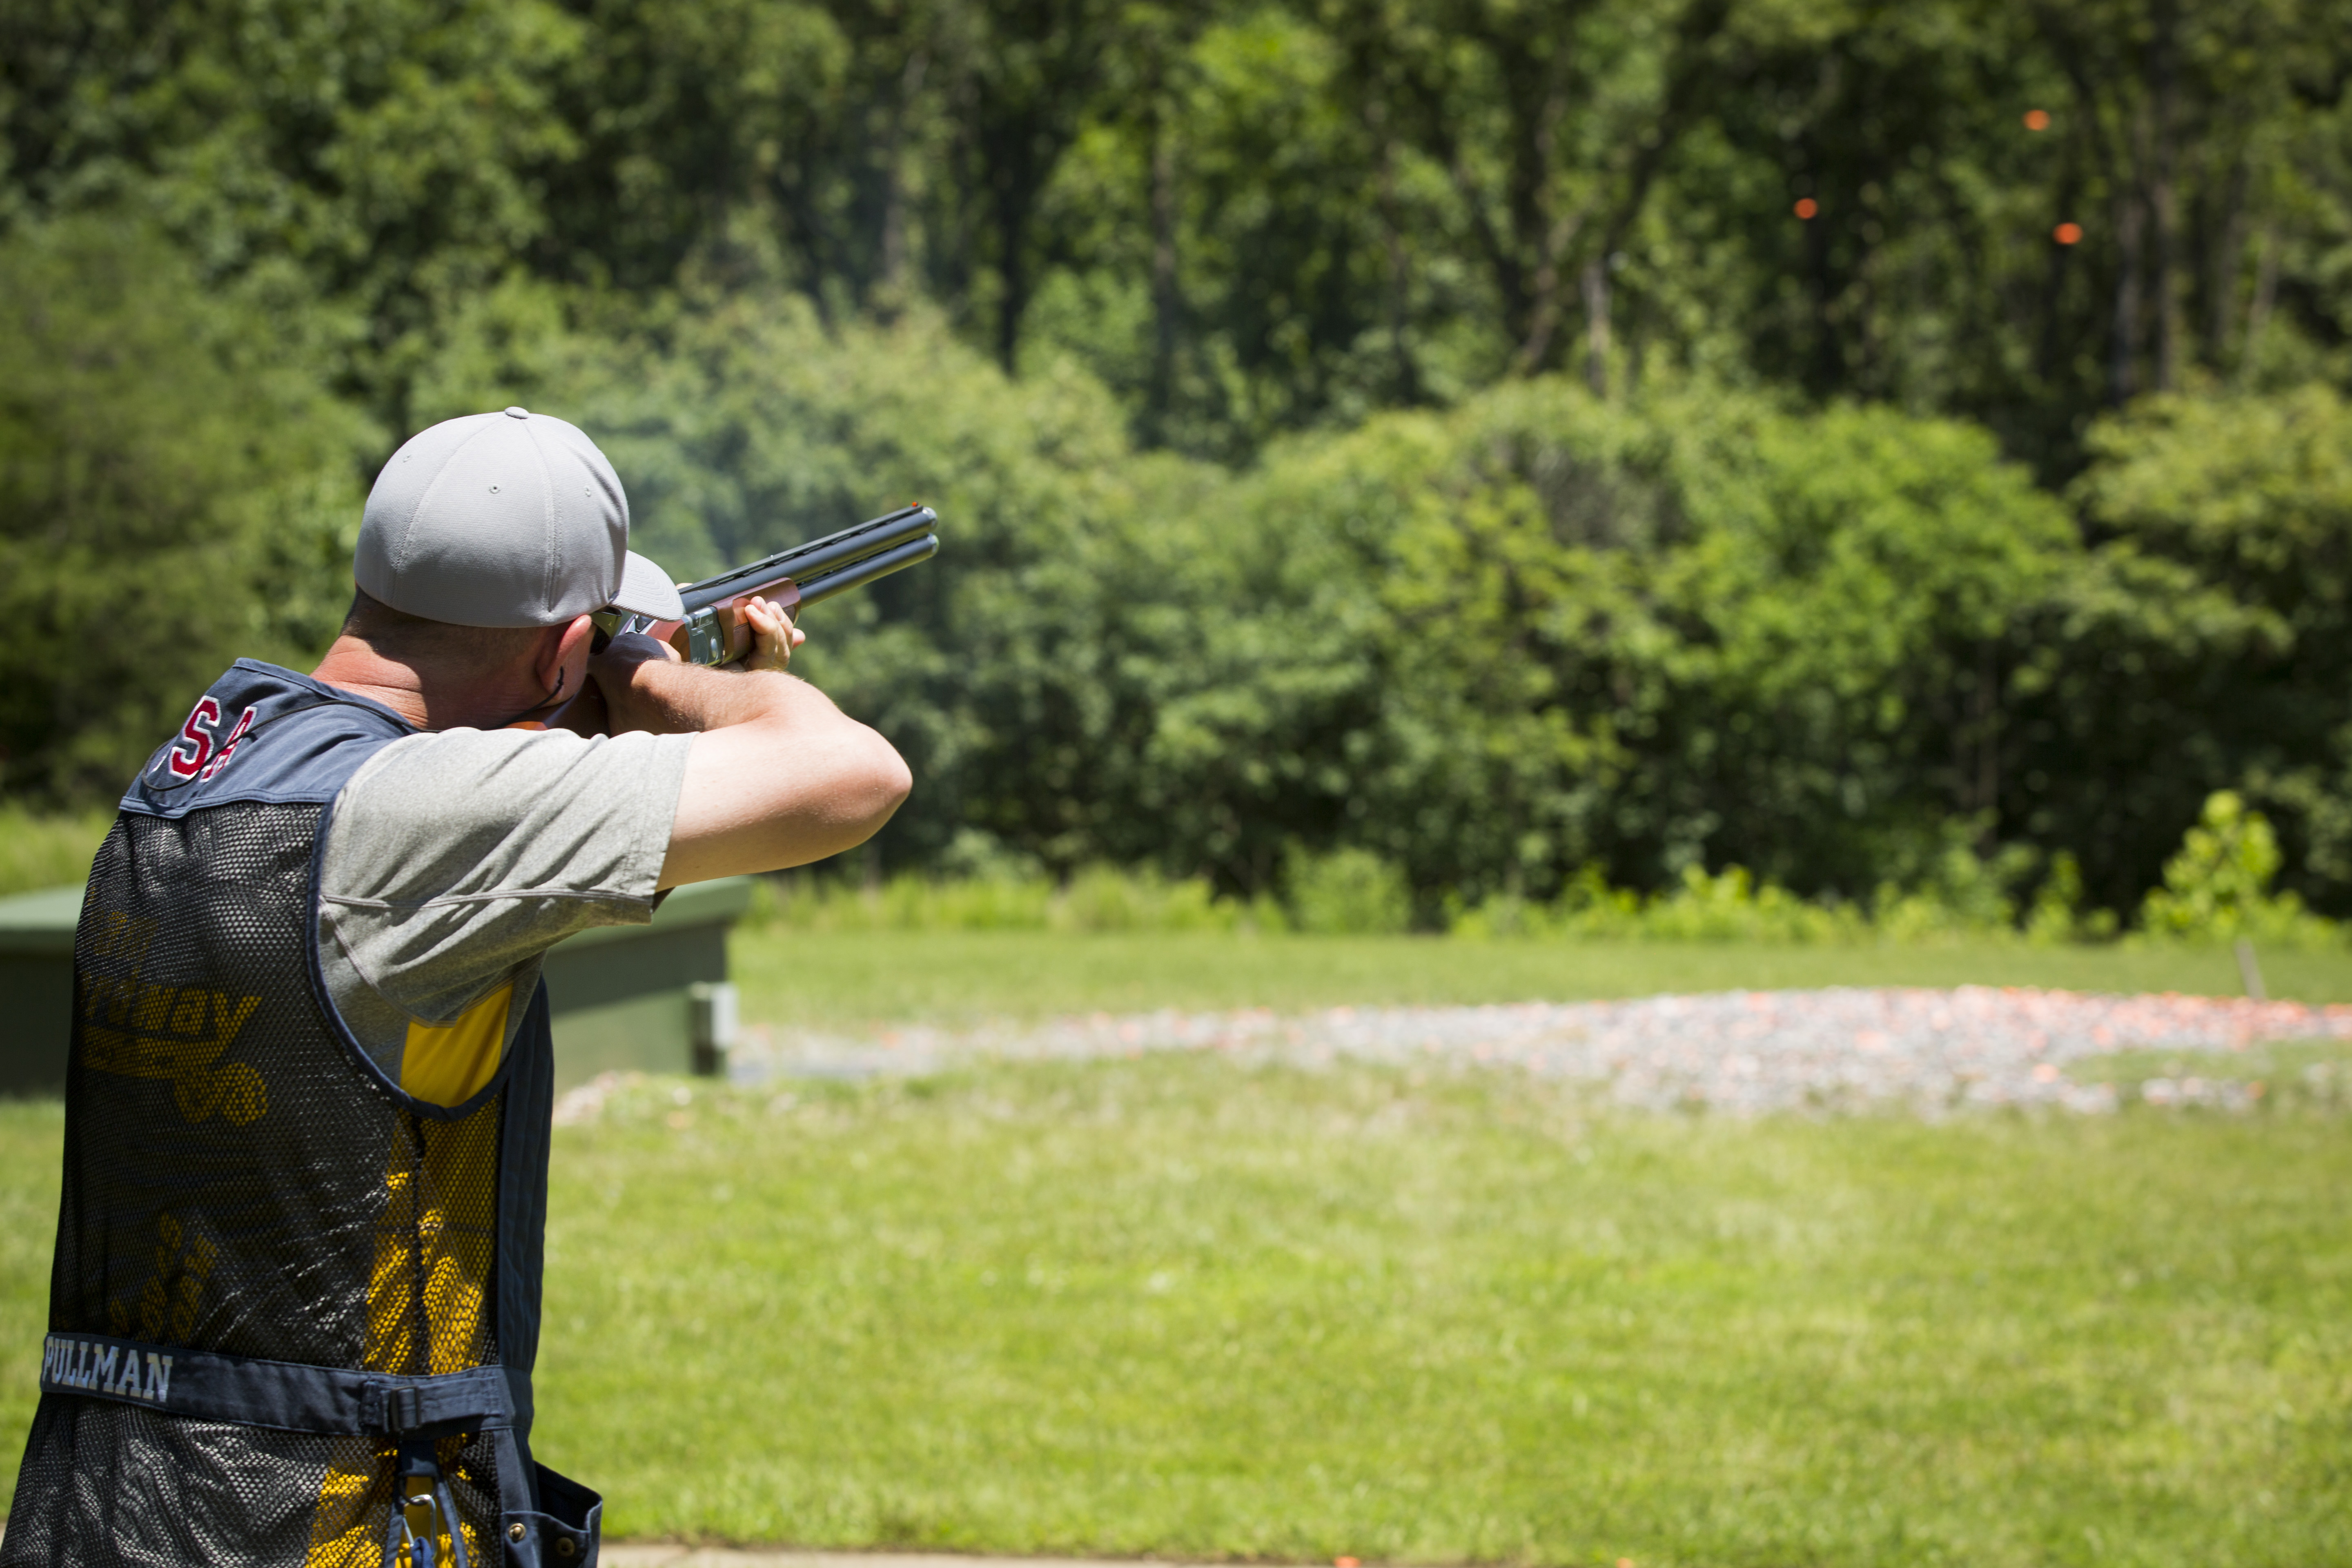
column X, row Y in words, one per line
column 504, row 520
column 486, row 544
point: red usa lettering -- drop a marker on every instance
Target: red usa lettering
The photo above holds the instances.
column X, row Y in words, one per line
column 199, row 750
column 196, row 732
column 229, row 745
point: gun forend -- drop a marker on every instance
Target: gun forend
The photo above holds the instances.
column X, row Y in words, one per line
column 803, row 574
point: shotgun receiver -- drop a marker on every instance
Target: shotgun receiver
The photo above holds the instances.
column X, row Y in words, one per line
column 792, row 579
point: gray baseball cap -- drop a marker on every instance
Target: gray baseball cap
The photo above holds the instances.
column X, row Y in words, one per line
column 505, row 520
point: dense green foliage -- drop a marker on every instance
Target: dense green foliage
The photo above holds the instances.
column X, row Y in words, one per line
column 2217, row 888
column 170, row 487
column 1511, row 444
column 1249, row 217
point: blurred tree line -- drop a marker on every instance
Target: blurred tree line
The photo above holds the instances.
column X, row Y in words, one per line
column 1508, row 437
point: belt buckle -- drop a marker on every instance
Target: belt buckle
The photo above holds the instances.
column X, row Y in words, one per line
column 394, row 1408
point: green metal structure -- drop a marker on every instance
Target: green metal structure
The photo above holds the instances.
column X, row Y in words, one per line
column 651, row 998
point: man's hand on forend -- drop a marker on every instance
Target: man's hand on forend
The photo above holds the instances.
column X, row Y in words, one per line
column 773, row 636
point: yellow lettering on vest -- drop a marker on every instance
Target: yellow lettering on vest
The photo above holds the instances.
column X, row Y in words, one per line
column 193, row 1093
column 118, row 935
column 151, row 1302
column 110, row 996
column 153, row 1007
column 177, row 1033
column 234, row 1091
column 108, row 932
column 202, row 1026
column 184, row 1317
column 188, row 1017
column 449, row 1064
column 170, row 1298
column 229, row 1014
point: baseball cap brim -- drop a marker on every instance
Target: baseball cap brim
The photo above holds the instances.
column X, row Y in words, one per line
column 645, row 590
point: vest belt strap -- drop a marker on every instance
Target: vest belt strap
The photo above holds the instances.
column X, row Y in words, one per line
column 286, row 1395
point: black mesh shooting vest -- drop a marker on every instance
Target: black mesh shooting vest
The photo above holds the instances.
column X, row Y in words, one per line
column 282, row 1287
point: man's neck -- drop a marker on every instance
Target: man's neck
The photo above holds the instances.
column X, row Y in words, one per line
column 426, row 699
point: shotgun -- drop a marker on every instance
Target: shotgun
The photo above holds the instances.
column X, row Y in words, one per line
column 792, row 579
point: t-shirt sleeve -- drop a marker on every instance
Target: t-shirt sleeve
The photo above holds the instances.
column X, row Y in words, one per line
column 455, row 859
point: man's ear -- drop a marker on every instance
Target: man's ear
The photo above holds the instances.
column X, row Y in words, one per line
column 562, row 663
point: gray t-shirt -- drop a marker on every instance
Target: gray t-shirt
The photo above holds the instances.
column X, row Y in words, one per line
column 455, row 859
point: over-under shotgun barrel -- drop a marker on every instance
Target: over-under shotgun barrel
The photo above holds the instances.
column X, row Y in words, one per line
column 804, row 575
column 857, row 573
column 804, row 563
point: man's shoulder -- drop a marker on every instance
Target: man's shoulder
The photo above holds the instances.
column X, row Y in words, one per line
column 455, row 806
column 439, row 766
column 261, row 733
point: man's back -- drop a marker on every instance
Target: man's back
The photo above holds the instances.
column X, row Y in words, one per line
column 244, row 1183
column 296, row 1298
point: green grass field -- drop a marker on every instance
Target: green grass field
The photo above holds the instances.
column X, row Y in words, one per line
column 845, row 980
column 1187, row 1307
column 1182, row 1306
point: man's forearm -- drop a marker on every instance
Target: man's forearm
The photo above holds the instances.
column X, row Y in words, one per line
column 777, row 776
column 648, row 691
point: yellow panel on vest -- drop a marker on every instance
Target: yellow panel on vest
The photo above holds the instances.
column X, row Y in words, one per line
column 436, row 1246
column 449, row 1064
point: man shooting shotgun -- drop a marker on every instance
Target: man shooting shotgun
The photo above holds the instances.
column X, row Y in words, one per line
column 296, row 1296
